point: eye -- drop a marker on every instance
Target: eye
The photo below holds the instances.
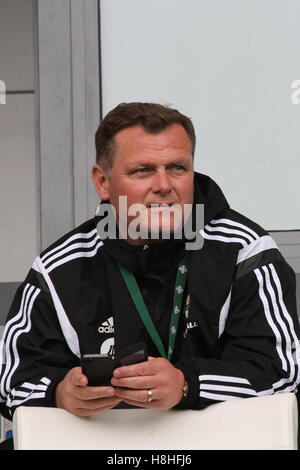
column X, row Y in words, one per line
column 142, row 170
column 178, row 168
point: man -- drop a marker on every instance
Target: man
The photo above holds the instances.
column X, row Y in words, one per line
column 232, row 299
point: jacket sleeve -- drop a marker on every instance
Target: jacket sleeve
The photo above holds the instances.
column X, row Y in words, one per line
column 35, row 356
column 258, row 350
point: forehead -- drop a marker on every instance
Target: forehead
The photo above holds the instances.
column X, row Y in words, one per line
column 136, row 141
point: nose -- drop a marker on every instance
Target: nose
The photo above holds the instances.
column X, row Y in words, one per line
column 161, row 183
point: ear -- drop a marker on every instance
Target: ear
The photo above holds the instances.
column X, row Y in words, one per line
column 101, row 182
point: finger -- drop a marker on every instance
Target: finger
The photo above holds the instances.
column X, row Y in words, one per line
column 154, row 404
column 93, row 405
column 139, row 396
column 88, row 412
column 140, row 404
column 92, row 393
column 140, row 382
column 141, row 369
column 77, row 377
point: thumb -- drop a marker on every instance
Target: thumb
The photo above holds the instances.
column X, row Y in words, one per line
column 77, row 377
column 83, row 381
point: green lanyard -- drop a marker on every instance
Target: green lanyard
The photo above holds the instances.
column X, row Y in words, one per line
column 138, row 300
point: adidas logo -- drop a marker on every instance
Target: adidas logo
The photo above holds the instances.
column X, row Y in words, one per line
column 107, row 326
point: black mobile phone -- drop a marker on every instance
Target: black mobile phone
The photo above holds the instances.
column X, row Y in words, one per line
column 99, row 368
column 132, row 355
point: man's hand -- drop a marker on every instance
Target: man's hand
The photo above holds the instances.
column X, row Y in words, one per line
column 157, row 375
column 73, row 394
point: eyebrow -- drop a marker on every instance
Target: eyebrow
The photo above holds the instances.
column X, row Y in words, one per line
column 139, row 164
column 142, row 163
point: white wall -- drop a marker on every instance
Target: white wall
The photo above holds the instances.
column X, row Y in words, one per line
column 229, row 65
column 19, row 168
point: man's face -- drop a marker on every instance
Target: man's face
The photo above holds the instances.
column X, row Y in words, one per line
column 152, row 169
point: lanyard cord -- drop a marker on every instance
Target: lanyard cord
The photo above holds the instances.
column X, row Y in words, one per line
column 141, row 307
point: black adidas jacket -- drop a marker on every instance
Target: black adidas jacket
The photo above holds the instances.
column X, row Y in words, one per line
column 238, row 331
